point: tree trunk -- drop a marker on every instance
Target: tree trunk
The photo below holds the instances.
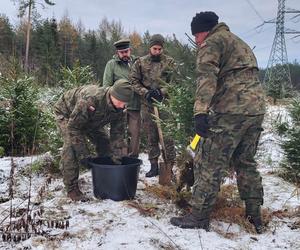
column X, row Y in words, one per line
column 28, row 36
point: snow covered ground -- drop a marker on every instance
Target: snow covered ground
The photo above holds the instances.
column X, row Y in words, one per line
column 105, row 224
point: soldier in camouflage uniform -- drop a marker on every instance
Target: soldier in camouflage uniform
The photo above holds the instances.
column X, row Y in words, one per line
column 229, row 110
column 118, row 68
column 82, row 113
column 147, row 76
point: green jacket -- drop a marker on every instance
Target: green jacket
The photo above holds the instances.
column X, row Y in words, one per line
column 228, row 79
column 116, row 69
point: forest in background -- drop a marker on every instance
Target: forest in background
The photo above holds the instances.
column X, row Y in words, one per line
column 54, row 45
column 63, row 55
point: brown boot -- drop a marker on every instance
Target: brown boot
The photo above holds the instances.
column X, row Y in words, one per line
column 191, row 220
column 76, row 195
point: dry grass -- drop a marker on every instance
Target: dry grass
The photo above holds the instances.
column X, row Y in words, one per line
column 169, row 193
column 229, row 208
column 145, row 209
column 285, row 101
column 295, row 225
column 162, row 192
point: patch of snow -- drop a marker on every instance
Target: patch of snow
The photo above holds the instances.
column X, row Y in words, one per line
column 106, row 224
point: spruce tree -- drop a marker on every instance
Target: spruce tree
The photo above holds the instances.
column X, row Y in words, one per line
column 291, row 144
column 21, row 120
column 46, row 52
column 6, row 37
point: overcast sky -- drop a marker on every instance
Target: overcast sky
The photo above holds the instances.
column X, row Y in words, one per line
column 174, row 16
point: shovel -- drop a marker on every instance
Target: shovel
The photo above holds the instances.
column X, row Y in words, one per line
column 165, row 168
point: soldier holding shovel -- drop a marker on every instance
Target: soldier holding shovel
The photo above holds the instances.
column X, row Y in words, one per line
column 147, row 75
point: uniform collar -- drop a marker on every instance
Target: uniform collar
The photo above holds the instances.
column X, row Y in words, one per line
column 218, row 27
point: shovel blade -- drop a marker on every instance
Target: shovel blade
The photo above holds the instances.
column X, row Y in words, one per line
column 165, row 174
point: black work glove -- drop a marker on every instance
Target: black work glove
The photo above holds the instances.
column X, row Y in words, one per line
column 85, row 162
column 154, row 94
column 117, row 160
column 201, row 125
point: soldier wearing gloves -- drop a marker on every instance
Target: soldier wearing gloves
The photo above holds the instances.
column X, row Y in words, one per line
column 229, row 109
column 147, row 76
column 82, row 113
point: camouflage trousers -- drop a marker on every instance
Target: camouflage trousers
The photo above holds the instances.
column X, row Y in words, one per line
column 233, row 142
column 134, row 128
column 151, row 129
column 72, row 152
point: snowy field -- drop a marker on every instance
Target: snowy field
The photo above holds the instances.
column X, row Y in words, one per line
column 105, row 224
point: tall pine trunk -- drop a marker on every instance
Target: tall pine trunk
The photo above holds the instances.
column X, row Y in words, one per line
column 28, row 36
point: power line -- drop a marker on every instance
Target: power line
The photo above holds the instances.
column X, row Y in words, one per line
column 257, row 13
column 294, row 40
column 257, row 32
column 259, row 28
column 262, row 48
column 295, row 18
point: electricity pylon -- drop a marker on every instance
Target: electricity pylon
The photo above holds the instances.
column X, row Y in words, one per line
column 277, row 78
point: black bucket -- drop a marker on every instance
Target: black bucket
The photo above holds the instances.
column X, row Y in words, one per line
column 115, row 182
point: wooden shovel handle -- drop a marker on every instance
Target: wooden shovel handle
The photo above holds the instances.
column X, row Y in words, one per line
column 160, row 134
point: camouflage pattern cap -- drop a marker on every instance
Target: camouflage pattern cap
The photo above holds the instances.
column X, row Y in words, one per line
column 122, row 90
column 157, row 39
column 122, row 44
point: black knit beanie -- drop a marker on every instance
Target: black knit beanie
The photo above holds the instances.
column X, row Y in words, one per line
column 204, row 21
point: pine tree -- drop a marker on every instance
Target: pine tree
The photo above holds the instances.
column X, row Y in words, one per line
column 20, row 117
column 291, row 144
column 68, row 37
column 46, row 52
column 6, row 37
column 275, row 87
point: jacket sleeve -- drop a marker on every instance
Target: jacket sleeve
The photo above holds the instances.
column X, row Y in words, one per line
column 108, row 76
column 167, row 76
column 136, row 78
column 117, row 134
column 77, row 121
column 208, row 60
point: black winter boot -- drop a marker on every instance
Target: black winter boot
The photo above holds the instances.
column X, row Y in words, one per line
column 191, row 220
column 253, row 215
column 154, row 169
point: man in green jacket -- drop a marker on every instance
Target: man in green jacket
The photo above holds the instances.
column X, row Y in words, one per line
column 148, row 75
column 82, row 113
column 118, row 68
column 229, row 109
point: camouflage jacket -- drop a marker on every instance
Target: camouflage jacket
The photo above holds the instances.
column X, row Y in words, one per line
column 146, row 74
column 87, row 108
column 116, row 69
column 228, row 76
